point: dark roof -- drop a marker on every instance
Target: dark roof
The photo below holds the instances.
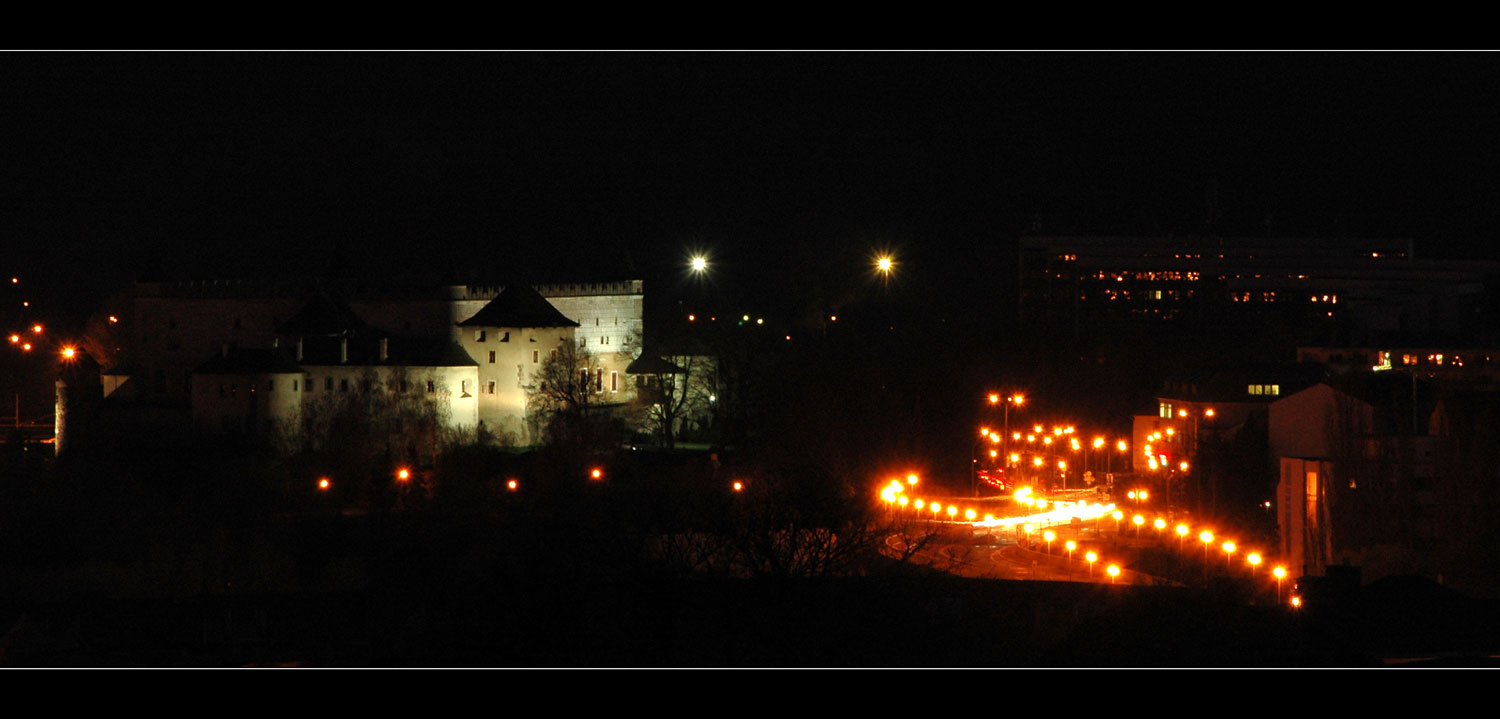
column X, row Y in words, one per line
column 243, row 361
column 651, row 364
column 400, row 351
column 518, row 306
column 323, row 315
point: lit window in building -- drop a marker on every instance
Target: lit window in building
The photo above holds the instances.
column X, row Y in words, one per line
column 614, row 381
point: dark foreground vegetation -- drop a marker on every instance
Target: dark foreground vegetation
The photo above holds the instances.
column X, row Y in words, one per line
column 660, row 563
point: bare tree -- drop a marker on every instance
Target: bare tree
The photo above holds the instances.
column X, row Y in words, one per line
column 562, row 402
column 673, row 390
column 383, row 418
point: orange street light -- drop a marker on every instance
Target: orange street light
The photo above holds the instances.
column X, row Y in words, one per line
column 952, row 511
column 1280, row 573
column 403, row 474
column 1114, row 571
column 1254, row 559
column 512, row 485
column 68, row 352
column 994, row 398
column 911, row 479
column 1228, row 553
column 1049, row 535
column 1091, row 557
column 596, row 473
column 1138, row 520
column 739, row 486
column 324, row 484
column 36, row 329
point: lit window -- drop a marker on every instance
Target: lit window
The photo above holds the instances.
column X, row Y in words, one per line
column 614, row 381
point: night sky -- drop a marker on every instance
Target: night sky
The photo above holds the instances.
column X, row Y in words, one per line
column 785, row 167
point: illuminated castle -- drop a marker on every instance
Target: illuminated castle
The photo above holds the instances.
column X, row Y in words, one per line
column 241, row 356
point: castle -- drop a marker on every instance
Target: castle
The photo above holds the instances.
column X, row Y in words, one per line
column 247, row 356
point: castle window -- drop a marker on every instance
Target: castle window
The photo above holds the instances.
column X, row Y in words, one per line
column 295, row 386
column 307, row 383
column 327, row 384
column 614, row 381
column 505, row 337
column 534, row 356
column 463, row 388
column 343, row 385
column 489, row 387
column 431, row 386
column 492, row 356
column 478, row 335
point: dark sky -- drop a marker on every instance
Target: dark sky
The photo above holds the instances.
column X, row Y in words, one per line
column 782, row 165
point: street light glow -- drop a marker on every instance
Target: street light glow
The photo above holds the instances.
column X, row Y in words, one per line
column 699, row 263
